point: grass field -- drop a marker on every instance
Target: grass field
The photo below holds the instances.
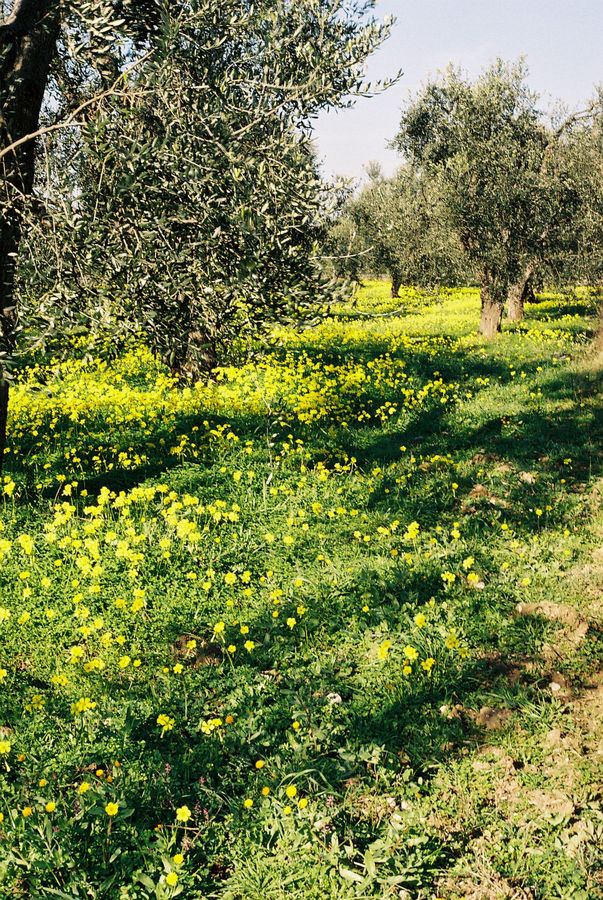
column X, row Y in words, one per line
column 328, row 627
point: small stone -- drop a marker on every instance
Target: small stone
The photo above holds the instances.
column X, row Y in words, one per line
column 553, row 738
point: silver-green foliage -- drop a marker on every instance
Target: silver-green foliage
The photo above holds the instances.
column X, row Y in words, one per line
column 403, row 224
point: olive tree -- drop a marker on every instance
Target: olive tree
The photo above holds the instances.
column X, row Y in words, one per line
column 404, row 227
column 567, row 223
column 486, row 143
column 187, row 202
column 575, row 166
column 38, row 37
column 344, row 253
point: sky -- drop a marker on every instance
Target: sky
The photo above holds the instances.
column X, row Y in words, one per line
column 562, row 41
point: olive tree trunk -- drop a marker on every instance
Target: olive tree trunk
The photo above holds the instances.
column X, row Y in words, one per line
column 193, row 353
column 198, row 357
column 493, row 296
column 598, row 343
column 28, row 41
column 396, row 284
column 4, row 396
column 519, row 294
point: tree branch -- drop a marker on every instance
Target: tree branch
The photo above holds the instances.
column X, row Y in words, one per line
column 588, row 113
column 22, row 18
column 72, row 117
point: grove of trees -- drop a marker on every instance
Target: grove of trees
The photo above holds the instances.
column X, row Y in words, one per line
column 403, row 222
column 490, row 190
column 158, row 175
column 268, row 544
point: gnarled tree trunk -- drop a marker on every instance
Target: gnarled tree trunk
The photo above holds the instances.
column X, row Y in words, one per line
column 200, row 358
column 493, row 300
column 28, row 40
column 529, row 295
column 519, row 294
column 598, row 342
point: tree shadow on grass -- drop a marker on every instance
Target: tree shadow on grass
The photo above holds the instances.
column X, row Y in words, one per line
column 532, row 453
column 521, row 438
column 158, row 457
column 157, row 451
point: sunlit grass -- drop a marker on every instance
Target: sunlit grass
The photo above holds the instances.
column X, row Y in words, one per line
column 236, row 616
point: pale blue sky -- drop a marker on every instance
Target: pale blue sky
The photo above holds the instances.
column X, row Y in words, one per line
column 562, row 41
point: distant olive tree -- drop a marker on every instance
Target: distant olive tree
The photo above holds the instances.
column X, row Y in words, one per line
column 568, row 219
column 486, row 143
column 402, row 223
column 575, row 166
column 344, row 251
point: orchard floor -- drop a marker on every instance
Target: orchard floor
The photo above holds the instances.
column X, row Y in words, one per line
column 328, row 627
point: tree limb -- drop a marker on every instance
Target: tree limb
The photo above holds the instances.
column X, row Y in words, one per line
column 581, row 115
column 22, row 18
column 72, row 117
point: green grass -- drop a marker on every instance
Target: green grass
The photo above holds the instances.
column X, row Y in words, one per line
column 303, row 510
